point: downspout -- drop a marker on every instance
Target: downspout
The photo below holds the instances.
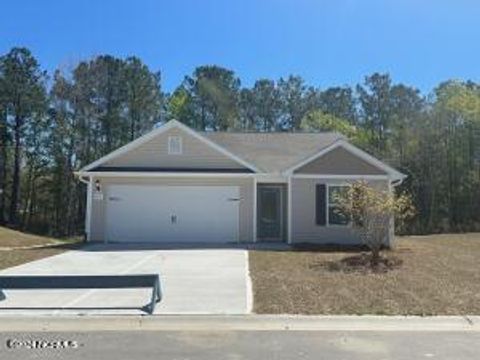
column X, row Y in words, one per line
column 88, row 181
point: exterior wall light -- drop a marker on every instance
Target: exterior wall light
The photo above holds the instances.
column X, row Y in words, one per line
column 97, row 185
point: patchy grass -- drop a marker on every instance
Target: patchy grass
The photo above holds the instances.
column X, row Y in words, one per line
column 11, row 238
column 433, row 275
column 17, row 247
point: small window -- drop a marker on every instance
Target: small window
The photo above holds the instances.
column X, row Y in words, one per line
column 335, row 215
column 174, row 145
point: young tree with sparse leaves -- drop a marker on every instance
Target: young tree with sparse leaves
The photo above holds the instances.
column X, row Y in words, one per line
column 371, row 212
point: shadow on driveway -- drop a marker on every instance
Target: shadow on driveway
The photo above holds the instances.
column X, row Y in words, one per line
column 181, row 246
column 260, row 246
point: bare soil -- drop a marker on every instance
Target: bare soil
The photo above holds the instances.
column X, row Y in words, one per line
column 423, row 275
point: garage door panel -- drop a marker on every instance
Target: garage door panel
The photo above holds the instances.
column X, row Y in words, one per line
column 138, row 213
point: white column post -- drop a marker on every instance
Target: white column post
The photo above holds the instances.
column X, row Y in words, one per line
column 254, row 209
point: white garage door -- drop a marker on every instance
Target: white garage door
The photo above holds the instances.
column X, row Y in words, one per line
column 152, row 213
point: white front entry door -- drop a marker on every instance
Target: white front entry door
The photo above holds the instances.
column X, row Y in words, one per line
column 153, row 213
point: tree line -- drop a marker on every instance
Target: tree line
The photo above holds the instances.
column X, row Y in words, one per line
column 53, row 124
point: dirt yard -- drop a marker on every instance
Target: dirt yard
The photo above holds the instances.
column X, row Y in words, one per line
column 437, row 274
column 17, row 247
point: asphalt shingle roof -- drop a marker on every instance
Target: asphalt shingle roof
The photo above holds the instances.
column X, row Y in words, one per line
column 273, row 152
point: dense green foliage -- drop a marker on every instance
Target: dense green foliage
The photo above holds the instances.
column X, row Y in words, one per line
column 52, row 125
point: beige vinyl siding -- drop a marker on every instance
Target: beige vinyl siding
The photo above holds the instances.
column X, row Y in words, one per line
column 339, row 161
column 195, row 154
column 304, row 227
column 245, row 207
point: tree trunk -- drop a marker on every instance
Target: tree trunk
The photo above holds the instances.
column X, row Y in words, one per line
column 33, row 204
column 70, row 201
column 375, row 259
column 134, row 121
column 132, row 128
column 27, row 199
column 203, row 118
column 15, row 195
column 3, row 164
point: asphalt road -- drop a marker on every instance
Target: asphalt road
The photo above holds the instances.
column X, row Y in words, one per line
column 236, row 345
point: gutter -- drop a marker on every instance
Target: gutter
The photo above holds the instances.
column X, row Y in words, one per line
column 163, row 174
column 81, row 178
column 398, row 182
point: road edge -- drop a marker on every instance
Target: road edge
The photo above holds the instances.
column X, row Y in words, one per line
column 238, row 323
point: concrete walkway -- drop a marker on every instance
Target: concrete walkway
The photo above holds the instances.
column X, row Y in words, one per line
column 194, row 281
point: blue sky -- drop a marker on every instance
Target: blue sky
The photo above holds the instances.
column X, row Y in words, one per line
column 335, row 42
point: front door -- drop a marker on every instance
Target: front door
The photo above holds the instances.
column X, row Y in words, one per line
column 270, row 212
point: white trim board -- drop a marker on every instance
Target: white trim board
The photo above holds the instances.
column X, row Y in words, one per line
column 392, row 173
column 261, row 178
column 152, row 134
column 340, row 177
column 164, row 174
column 255, row 200
column 271, row 178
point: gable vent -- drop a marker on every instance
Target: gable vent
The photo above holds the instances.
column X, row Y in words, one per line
column 174, row 145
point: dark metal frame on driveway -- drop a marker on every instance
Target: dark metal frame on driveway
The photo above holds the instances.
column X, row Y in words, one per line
column 34, row 282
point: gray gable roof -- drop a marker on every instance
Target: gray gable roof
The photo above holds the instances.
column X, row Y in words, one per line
column 273, row 152
column 257, row 152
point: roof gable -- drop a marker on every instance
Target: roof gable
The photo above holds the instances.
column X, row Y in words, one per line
column 340, row 161
column 329, row 160
column 150, row 150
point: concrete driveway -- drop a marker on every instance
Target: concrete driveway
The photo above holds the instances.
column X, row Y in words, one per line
column 194, row 281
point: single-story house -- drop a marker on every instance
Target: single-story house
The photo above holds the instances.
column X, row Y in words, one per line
column 176, row 184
